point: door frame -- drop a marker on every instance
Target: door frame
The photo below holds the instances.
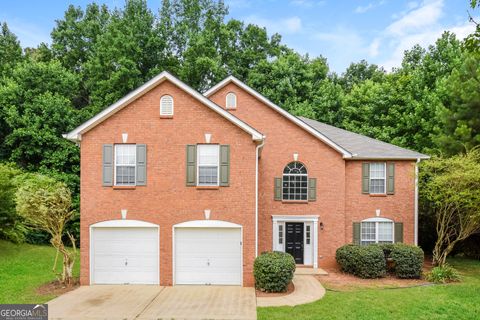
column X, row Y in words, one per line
column 121, row 224
column 306, row 219
column 207, row 224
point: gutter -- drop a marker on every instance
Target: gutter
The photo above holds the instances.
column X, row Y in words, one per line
column 257, row 151
column 416, row 203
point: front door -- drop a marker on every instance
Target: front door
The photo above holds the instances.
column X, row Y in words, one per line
column 294, row 240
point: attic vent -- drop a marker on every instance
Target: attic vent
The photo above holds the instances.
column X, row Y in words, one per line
column 166, row 106
column 231, row 101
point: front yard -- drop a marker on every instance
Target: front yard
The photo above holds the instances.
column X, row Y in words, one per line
column 23, row 269
column 451, row 301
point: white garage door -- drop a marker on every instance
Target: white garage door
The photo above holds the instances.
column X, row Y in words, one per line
column 208, row 256
column 125, row 255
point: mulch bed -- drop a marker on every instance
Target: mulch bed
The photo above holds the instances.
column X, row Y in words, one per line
column 57, row 288
column 290, row 289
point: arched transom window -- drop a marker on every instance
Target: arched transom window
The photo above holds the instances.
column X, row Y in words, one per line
column 295, row 182
column 231, row 100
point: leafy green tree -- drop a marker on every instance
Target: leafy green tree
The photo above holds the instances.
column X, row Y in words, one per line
column 11, row 227
column 45, row 204
column 357, row 73
column 10, row 50
column 472, row 42
column 460, row 114
column 452, row 187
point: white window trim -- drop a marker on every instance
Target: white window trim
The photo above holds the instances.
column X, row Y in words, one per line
column 173, row 105
column 384, row 178
column 115, row 165
column 376, row 221
column 296, row 175
column 226, row 101
column 218, row 167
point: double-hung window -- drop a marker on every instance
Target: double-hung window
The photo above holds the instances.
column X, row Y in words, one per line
column 125, row 164
column 377, row 178
column 208, row 164
column 377, row 231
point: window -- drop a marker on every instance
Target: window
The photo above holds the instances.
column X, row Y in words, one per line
column 166, row 106
column 376, row 231
column 377, row 178
column 280, row 234
column 295, row 182
column 125, row 164
column 207, row 163
column 231, row 102
column 307, row 234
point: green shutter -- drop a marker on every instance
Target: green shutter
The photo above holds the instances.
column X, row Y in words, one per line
column 141, row 165
column 224, row 165
column 356, row 232
column 312, row 189
column 107, row 163
column 390, row 178
column 278, row 189
column 365, row 177
column 191, row 165
column 398, row 232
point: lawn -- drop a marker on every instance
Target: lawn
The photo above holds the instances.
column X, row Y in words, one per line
column 451, row 301
column 24, row 268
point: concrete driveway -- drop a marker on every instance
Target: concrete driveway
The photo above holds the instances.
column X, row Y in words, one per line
column 155, row 302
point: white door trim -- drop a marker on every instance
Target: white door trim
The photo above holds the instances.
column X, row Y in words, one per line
column 206, row 224
column 122, row 224
column 281, row 219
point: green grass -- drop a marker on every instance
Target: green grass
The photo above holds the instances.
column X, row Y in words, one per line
column 24, row 268
column 450, row 301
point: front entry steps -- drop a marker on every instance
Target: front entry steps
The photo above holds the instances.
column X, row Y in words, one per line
column 310, row 271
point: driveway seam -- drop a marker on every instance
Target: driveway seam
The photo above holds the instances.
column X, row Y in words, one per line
column 148, row 304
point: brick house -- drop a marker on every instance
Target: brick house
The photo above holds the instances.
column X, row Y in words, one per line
column 179, row 187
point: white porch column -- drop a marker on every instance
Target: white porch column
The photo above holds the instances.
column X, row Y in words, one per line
column 275, row 235
column 315, row 243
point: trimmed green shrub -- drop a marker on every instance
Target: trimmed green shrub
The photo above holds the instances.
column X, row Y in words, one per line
column 443, row 274
column 362, row 261
column 408, row 260
column 273, row 271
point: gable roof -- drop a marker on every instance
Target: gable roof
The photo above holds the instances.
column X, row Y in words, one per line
column 345, row 153
column 350, row 145
column 76, row 134
column 363, row 147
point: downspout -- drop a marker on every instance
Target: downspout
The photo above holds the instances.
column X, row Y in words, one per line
column 257, row 150
column 416, row 203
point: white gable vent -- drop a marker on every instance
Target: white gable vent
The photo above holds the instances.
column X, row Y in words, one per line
column 166, row 106
column 231, row 100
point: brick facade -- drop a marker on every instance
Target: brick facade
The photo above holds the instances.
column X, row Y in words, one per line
column 166, row 200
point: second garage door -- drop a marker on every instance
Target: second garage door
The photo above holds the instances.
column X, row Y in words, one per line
column 210, row 256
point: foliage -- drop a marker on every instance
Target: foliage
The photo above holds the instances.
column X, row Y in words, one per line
column 452, row 187
column 45, row 204
column 24, row 268
column 408, row 260
column 11, row 227
column 362, row 261
column 273, row 271
column 443, row 274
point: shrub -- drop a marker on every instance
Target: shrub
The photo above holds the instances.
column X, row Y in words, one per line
column 443, row 274
column 408, row 260
column 362, row 261
column 273, row 271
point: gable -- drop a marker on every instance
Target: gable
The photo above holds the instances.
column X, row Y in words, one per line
column 76, row 134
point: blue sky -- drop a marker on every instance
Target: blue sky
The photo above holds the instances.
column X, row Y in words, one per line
column 343, row 31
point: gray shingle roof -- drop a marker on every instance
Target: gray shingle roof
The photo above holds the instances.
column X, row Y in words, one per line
column 362, row 147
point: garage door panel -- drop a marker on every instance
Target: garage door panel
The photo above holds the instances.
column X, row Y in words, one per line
column 208, row 256
column 125, row 255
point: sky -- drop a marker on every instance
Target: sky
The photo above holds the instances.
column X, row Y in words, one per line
column 343, row 31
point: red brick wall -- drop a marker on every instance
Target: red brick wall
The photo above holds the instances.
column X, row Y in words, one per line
column 166, row 200
column 339, row 198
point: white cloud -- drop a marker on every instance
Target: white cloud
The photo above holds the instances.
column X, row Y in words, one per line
column 417, row 19
column 307, row 3
column 363, row 9
column 373, row 49
column 30, row 35
column 289, row 25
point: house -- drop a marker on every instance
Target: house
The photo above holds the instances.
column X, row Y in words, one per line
column 179, row 187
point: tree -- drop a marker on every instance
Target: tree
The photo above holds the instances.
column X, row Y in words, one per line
column 10, row 50
column 45, row 204
column 452, row 187
column 357, row 73
column 472, row 42
column 11, row 227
